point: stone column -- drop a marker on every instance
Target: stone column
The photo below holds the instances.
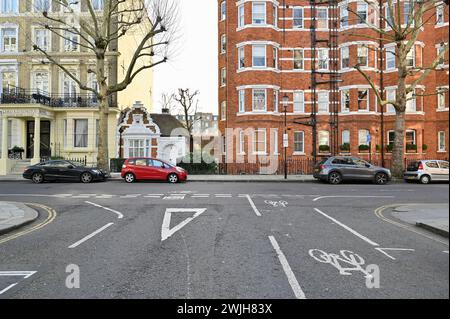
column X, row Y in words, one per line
column 4, row 138
column 37, row 141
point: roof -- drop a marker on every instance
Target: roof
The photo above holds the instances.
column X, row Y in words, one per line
column 167, row 123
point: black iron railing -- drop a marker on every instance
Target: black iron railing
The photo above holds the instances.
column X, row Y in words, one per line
column 17, row 95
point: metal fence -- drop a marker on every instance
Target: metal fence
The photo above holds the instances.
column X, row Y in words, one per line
column 81, row 160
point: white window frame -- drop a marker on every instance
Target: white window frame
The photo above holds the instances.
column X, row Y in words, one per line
column 344, row 15
column 390, row 96
column 223, row 110
column 441, row 95
column 70, row 45
column 75, row 6
column 7, row 8
column 345, row 137
column 366, row 6
column 345, row 55
column 302, row 19
column 299, row 101
column 241, row 58
column 47, row 35
column 241, row 16
column 302, row 60
column 223, row 44
column 301, row 142
column 414, row 135
column 11, row 49
column 362, row 137
column 323, row 9
column 321, row 101
column 276, row 100
column 241, row 99
column 255, row 18
column 265, row 100
column 391, row 58
column 367, row 99
column 275, row 57
column 275, row 15
column 98, row 5
column 442, row 147
column 223, row 77
column 440, row 14
column 321, row 134
column 344, row 100
column 42, row 2
column 275, row 141
column 75, row 133
column 223, row 11
column 241, row 142
column 323, row 60
column 256, row 141
column 411, row 105
column 411, row 55
column 363, row 49
column 34, row 81
column 255, row 49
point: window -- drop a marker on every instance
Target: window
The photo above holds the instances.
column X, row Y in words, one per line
column 241, row 101
column 391, row 137
column 441, row 141
column 70, row 41
column 323, row 101
column 275, row 57
column 42, row 5
column 241, row 16
column 136, row 149
column 69, row 87
column 65, row 133
column 259, row 100
column 9, row 80
column 223, row 43
column 390, row 96
column 363, row 137
column 440, row 50
column 345, row 101
column 444, row 165
column 97, row 132
column 363, row 99
column 72, row 6
column 259, row 56
column 298, row 18
column 276, row 95
column 408, row 14
column 97, row 4
column 440, row 14
column 345, row 57
column 275, row 141
column 241, row 57
column 80, row 133
column 389, row 17
column 411, row 102
column 362, row 10
column 223, row 77
column 299, row 142
column 41, row 84
column 410, row 137
column 344, row 15
column 259, row 13
column 410, row 57
column 9, row 6
column 322, row 55
column 345, row 137
column 42, row 39
column 298, row 59
column 223, row 10
column 9, row 39
column 299, row 102
column 322, row 18
column 275, row 15
column 390, row 58
column 259, row 142
column 223, row 111
column 363, row 55
column 324, row 138
column 241, row 142
column 441, row 100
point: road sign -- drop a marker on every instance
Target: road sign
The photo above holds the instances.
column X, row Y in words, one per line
column 285, row 141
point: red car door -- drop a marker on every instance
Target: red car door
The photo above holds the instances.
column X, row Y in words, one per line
column 141, row 169
column 158, row 170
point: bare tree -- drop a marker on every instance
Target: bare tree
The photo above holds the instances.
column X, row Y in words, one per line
column 394, row 29
column 167, row 103
column 189, row 106
column 98, row 33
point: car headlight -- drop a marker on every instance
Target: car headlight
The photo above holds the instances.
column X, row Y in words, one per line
column 97, row 171
column 179, row 169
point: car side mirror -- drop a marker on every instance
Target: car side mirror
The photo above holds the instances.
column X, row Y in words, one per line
column 70, row 167
column 368, row 165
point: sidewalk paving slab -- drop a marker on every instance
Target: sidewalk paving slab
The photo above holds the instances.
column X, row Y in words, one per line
column 14, row 215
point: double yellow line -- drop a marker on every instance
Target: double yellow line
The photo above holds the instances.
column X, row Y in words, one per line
column 379, row 213
column 51, row 216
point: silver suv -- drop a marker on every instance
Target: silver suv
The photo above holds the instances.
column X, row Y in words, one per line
column 427, row 171
column 337, row 169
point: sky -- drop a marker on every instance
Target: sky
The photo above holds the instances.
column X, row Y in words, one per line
column 194, row 65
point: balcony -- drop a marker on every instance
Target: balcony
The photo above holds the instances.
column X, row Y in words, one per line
column 17, row 95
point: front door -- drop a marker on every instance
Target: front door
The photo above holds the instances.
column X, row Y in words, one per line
column 45, row 139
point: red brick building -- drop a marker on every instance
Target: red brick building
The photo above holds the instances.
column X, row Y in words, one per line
column 266, row 56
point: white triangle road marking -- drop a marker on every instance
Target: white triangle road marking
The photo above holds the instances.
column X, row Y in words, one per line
column 166, row 231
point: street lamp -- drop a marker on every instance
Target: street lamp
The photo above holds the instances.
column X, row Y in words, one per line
column 285, row 135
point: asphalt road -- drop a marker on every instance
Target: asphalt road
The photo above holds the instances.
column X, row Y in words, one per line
column 221, row 240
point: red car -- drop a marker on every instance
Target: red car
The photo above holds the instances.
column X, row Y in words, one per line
column 135, row 169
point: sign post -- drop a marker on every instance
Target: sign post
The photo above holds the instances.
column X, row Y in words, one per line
column 369, row 141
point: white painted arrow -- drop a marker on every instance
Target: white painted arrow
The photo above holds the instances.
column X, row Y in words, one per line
column 166, row 231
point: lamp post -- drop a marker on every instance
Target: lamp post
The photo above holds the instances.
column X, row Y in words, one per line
column 285, row 135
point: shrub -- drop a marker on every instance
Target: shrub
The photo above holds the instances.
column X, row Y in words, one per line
column 389, row 147
column 411, row 147
column 424, row 147
column 345, row 147
column 324, row 148
column 378, row 148
column 363, row 148
column 115, row 164
column 17, row 149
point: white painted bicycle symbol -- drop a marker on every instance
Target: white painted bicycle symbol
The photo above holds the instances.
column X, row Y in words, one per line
column 280, row 203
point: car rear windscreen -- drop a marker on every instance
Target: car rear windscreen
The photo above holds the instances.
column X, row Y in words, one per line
column 414, row 166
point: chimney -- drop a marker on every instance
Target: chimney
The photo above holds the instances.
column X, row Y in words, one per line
column 165, row 111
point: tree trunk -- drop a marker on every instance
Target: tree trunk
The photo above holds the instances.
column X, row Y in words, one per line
column 103, row 149
column 398, row 152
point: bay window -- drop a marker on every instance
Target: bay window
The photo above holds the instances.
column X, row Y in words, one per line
column 345, row 101
column 411, row 102
column 223, row 10
column 390, row 58
column 241, row 57
column 259, row 100
column 362, row 12
column 411, row 57
column 440, row 14
column 241, row 16
column 223, row 44
column 276, row 97
column 259, row 56
column 241, row 97
column 259, row 13
column 363, row 99
column 344, row 15
column 345, row 57
column 363, row 55
column 441, row 99
column 390, row 96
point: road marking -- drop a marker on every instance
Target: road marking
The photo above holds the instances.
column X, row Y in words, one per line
column 354, row 232
column 175, row 197
column 166, row 231
column 252, row 204
column 224, row 196
column 51, row 216
column 341, row 261
column 298, row 292
column 445, row 251
column 338, row 196
column 119, row 214
column 105, row 196
column 24, row 274
column 382, row 250
column 8, row 288
column 130, row 196
column 78, row 243
column 379, row 213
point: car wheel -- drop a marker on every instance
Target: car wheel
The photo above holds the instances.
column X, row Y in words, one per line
column 130, row 178
column 381, row 179
column 86, row 178
column 37, row 178
column 173, row 178
column 425, row 179
column 335, row 178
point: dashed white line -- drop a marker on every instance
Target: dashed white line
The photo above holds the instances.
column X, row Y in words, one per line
column 298, row 292
column 78, row 243
column 119, row 214
column 252, row 204
column 338, row 196
column 354, row 232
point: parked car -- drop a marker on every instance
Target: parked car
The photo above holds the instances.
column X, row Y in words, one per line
column 138, row 169
column 64, row 171
column 427, row 171
column 337, row 169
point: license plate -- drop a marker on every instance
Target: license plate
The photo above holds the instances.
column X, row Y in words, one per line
column 410, row 177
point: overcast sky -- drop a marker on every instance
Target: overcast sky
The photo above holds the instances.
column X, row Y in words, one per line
column 194, row 66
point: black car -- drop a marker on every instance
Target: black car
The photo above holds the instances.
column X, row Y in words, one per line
column 64, row 171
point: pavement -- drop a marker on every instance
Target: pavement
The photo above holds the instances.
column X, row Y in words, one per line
column 222, row 240
column 14, row 215
column 433, row 217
